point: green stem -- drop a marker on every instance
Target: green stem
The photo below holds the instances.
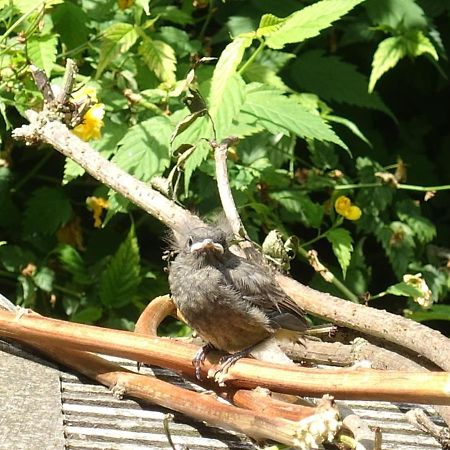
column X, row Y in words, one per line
column 207, row 20
column 407, row 187
column 338, row 284
column 252, row 58
column 56, row 287
column 32, row 172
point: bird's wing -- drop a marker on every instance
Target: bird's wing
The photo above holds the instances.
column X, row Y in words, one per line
column 257, row 285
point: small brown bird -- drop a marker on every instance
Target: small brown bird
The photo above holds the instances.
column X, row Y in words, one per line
column 232, row 303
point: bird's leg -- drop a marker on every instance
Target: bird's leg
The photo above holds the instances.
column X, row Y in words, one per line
column 200, row 357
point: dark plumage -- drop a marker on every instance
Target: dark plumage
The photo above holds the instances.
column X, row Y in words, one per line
column 231, row 302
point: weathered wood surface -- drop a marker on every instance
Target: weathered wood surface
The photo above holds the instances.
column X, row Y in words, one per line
column 93, row 419
column 30, row 402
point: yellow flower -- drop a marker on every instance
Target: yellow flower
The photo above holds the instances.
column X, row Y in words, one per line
column 92, row 123
column 344, row 207
column 425, row 300
column 97, row 205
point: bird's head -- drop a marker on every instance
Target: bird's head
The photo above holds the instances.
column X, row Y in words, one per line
column 206, row 241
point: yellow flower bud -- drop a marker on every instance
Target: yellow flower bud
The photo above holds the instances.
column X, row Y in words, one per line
column 353, row 213
column 425, row 300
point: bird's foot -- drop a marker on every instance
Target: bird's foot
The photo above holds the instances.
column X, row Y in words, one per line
column 228, row 360
column 199, row 359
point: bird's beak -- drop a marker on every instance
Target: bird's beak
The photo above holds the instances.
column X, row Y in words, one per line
column 207, row 244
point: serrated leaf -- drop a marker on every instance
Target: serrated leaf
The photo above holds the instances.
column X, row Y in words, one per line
column 396, row 13
column 120, row 280
column 389, row 52
column 224, row 80
column 342, row 244
column 185, row 123
column 416, row 44
column 404, row 289
column 42, row 51
column 118, row 38
column 46, row 211
column 312, row 71
column 160, row 59
column 44, row 278
column 278, row 113
column 144, row 150
column 387, row 55
column 268, row 25
column 309, row 21
column 308, row 212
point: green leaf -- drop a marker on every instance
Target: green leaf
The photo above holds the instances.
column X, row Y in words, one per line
column 180, row 41
column 297, row 202
column 232, row 100
column 436, row 312
column 389, row 52
column 223, row 82
column 350, row 125
column 416, row 44
column 46, row 211
column 194, row 161
column 386, row 56
column 342, row 244
column 397, row 241
column 409, row 213
column 312, row 71
column 269, row 24
column 160, row 59
column 396, row 13
column 309, row 21
column 120, row 280
column 144, row 150
column 70, row 23
column 262, row 74
column 89, row 315
column 72, row 261
column 118, row 38
column 14, row 258
column 404, row 289
column 42, row 51
column 278, row 113
column 44, row 279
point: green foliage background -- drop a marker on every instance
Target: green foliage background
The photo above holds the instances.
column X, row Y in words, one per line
column 328, row 98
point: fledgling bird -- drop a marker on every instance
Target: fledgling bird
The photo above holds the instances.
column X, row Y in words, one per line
column 232, row 303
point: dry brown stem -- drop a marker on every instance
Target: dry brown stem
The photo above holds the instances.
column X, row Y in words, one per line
column 257, row 399
column 429, row 388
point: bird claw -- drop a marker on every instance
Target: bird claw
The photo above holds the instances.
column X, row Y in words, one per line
column 199, row 359
column 227, row 361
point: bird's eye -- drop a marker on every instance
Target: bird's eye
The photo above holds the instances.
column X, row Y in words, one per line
column 190, row 241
